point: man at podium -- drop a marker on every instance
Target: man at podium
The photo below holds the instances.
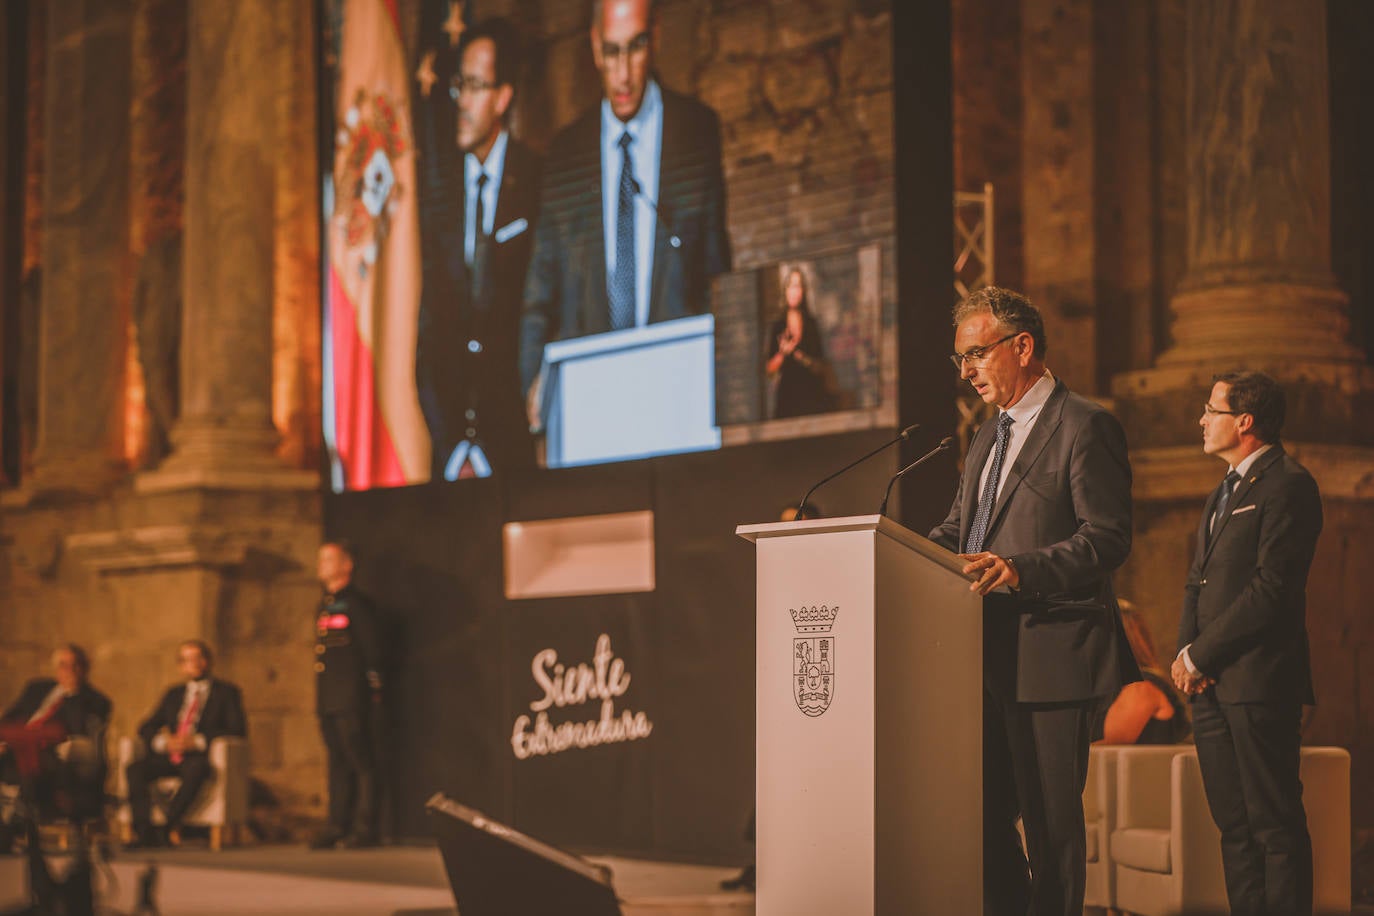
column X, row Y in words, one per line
column 1043, row 517
column 632, row 224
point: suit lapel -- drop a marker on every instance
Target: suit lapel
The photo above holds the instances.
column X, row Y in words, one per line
column 596, row 304
column 670, row 147
column 508, row 195
column 978, row 452
column 1242, row 490
column 1203, row 535
column 1039, row 436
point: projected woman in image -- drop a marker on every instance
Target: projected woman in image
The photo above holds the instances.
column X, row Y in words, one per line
column 797, row 369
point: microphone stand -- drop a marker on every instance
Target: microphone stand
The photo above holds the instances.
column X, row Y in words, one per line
column 904, row 434
column 945, row 443
column 673, row 240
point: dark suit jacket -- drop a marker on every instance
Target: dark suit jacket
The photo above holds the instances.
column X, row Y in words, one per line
column 449, row 377
column 1064, row 519
column 87, row 713
column 1245, row 602
column 565, row 293
column 222, row 715
column 348, row 652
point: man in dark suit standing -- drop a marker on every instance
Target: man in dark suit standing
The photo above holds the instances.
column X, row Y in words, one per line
column 477, row 239
column 1243, row 652
column 632, row 225
column 348, row 691
column 177, row 736
column 1043, row 516
column 72, row 757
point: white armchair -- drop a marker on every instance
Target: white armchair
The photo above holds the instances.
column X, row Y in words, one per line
column 223, row 802
column 1099, row 815
column 1166, row 851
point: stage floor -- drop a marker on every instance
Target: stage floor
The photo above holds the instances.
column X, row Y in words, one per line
column 393, row 881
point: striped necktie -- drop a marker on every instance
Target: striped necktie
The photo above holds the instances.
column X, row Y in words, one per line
column 979, row 529
column 623, row 284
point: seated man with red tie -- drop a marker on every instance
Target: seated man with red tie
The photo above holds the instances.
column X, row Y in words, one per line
column 177, row 736
column 52, row 741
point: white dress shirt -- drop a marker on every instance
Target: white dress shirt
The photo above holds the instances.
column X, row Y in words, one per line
column 194, row 690
column 55, row 696
column 1023, row 415
column 494, row 167
column 646, row 127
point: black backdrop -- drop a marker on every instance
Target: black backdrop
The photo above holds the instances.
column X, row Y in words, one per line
column 460, row 653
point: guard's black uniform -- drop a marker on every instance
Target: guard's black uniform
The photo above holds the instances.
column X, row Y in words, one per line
column 347, row 684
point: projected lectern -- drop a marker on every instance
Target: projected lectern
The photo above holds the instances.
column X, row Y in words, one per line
column 631, row 393
column 870, row 693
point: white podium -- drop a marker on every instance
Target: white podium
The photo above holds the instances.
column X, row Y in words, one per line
column 870, row 699
column 631, row 393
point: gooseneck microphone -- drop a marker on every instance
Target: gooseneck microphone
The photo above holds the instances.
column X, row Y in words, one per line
column 901, row 437
column 662, row 218
column 945, row 443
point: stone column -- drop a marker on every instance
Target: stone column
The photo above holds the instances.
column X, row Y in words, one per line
column 1058, row 154
column 83, row 326
column 157, row 121
column 225, row 435
column 1259, row 285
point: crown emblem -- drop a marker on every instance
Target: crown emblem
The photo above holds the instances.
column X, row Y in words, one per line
column 814, row 619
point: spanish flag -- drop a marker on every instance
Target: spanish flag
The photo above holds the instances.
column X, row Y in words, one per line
column 374, row 430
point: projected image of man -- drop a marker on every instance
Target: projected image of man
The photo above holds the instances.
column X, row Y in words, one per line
column 633, row 205
column 477, row 240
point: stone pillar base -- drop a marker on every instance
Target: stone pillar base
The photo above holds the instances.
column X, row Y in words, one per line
column 233, row 457
column 1328, row 401
column 82, row 474
column 1246, row 323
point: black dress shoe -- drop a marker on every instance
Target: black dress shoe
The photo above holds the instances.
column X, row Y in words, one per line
column 152, row 838
column 326, row 840
column 744, row 881
column 359, row 841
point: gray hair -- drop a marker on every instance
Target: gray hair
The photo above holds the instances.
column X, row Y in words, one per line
column 1011, row 309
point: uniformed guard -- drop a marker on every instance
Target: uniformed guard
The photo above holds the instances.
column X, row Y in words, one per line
column 348, row 688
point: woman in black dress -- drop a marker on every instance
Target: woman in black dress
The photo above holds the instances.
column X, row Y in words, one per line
column 796, row 356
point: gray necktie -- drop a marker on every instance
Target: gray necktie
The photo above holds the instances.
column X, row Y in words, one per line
column 623, row 283
column 979, row 529
column 480, row 247
column 1228, row 489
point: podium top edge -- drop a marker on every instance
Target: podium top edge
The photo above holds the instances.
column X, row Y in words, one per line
column 812, row 526
column 876, row 523
column 658, row 333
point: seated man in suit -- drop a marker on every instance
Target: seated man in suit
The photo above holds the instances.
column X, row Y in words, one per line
column 178, row 736
column 59, row 724
column 632, row 220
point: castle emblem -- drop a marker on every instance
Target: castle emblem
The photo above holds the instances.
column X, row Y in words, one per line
column 813, row 658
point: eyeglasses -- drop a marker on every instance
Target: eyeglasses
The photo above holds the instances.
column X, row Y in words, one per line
column 1209, row 410
column 978, row 355
column 460, row 84
column 610, row 51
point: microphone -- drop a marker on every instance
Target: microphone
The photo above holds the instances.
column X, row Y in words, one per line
column 658, row 214
column 901, row 436
column 945, row 443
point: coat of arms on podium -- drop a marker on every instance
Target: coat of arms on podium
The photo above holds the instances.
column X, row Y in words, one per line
column 813, row 658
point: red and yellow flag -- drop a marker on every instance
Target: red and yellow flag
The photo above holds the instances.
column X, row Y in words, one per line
column 379, row 437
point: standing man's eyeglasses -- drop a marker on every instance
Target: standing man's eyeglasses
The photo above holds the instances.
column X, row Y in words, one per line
column 978, row 355
column 1211, row 411
column 469, row 84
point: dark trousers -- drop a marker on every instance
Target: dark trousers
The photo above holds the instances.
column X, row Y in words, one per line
column 1249, row 754
column 194, row 770
column 352, row 773
column 1035, row 765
